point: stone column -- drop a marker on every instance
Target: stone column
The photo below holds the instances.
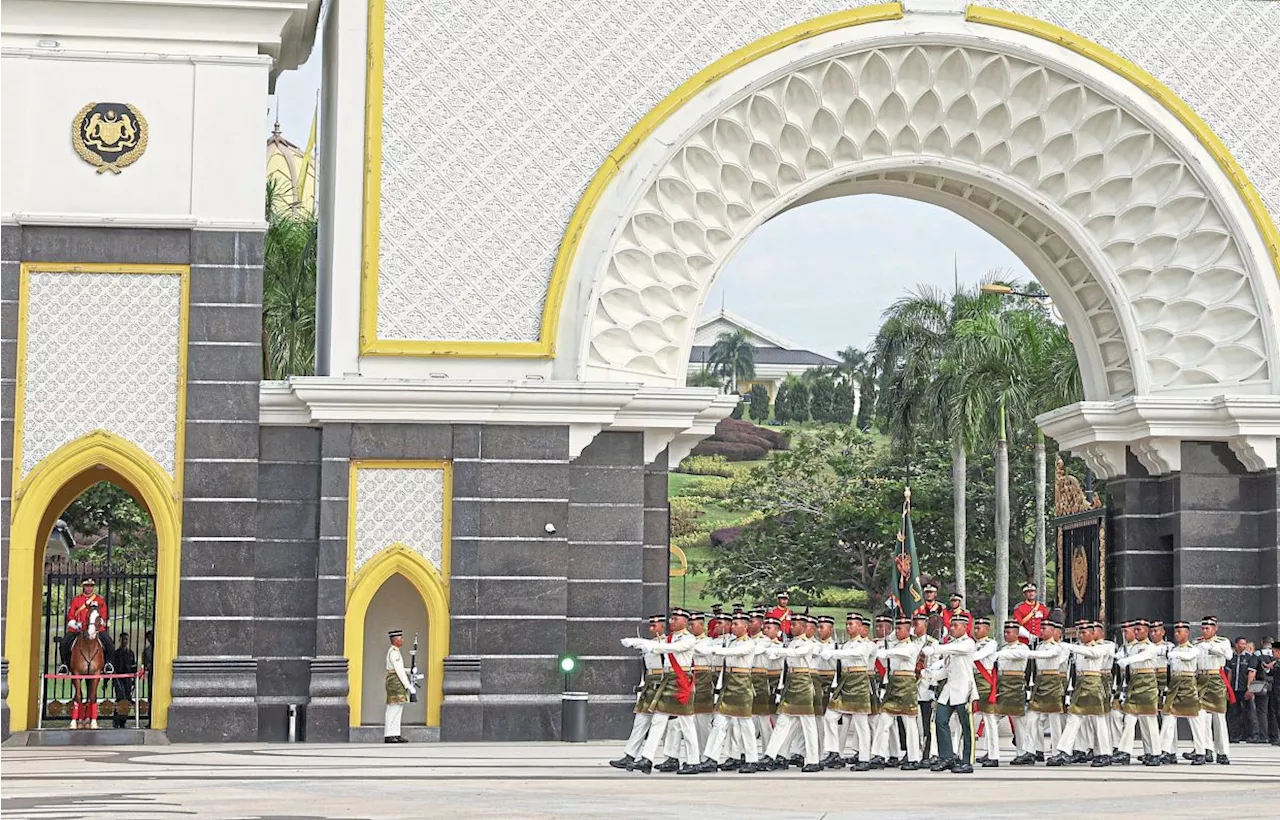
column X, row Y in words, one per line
column 215, row 674
column 1141, row 522
column 10, row 259
column 328, row 713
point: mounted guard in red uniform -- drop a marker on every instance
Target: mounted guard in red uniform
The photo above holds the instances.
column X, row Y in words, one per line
column 77, row 619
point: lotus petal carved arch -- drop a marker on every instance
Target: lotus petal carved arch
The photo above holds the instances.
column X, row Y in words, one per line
column 1121, row 228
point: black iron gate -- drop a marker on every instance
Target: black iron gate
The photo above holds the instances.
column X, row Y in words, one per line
column 1080, row 528
column 131, row 610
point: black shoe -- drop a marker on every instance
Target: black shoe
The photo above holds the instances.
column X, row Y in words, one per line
column 982, row 759
column 1039, row 757
column 1152, row 760
column 1168, row 759
column 941, row 765
column 1057, row 760
column 893, row 761
column 991, row 764
column 730, row 765
column 749, row 768
column 1189, row 755
column 388, row 740
column 1121, row 759
column 1223, row 760
column 929, row 761
column 836, row 763
column 1197, row 760
column 643, row 765
column 810, row 768
column 781, row 764
column 669, row 765
column 877, row 762
column 401, row 739
column 622, row 762
column 1089, row 756
column 962, row 768
column 1079, row 757
column 1023, row 760
column 1100, row 761
column 909, row 766
column 852, row 759
column 828, row 757
column 860, row 767
column 707, row 766
column 796, row 760
column 688, row 769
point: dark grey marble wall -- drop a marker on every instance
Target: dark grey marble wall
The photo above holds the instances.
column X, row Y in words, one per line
column 10, row 259
column 215, row 676
column 285, row 572
column 1198, row 542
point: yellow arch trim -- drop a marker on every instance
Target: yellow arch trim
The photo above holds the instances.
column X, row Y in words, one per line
column 545, row 347
column 398, row 559
column 57, row 480
column 1159, row 92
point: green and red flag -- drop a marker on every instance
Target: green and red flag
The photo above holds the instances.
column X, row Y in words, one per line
column 907, row 563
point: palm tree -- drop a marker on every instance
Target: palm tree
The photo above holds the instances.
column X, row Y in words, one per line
column 860, row 369
column 288, row 289
column 704, row 378
column 916, row 356
column 733, row 357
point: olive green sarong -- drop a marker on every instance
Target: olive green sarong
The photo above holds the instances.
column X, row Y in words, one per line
column 900, row 697
column 396, row 693
column 648, row 694
column 1011, row 694
column 1144, row 693
column 1183, row 697
column 1087, row 697
column 666, row 702
column 764, row 687
column 822, row 690
column 1048, row 694
column 1213, row 692
column 704, row 691
column 738, row 695
column 797, row 694
column 984, row 691
column 853, row 697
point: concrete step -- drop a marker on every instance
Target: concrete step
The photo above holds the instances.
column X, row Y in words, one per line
column 413, row 734
column 88, row 737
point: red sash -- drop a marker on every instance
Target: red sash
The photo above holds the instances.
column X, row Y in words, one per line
column 684, row 683
column 1231, row 695
column 990, row 676
column 880, row 669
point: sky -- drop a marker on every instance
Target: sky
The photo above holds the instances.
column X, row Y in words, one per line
column 819, row 275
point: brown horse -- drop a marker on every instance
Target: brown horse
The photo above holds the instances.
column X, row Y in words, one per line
column 86, row 659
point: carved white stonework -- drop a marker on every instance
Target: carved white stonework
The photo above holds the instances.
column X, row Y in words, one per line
column 400, row 505
column 1181, row 298
column 102, row 353
column 495, row 117
column 1219, row 56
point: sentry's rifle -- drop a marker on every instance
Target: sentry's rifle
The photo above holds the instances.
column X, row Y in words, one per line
column 414, row 677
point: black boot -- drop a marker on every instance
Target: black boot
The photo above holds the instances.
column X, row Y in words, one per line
column 643, row 765
column 622, row 762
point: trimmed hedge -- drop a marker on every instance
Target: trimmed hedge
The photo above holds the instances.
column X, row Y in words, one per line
column 706, row 465
column 706, row 486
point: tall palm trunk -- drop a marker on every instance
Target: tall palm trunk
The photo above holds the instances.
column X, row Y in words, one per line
column 1002, row 521
column 959, row 477
column 1040, row 513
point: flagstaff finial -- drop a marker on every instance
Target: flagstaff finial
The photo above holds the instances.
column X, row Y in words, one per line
column 907, row 493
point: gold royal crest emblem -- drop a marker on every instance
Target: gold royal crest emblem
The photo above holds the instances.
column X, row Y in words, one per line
column 109, row 136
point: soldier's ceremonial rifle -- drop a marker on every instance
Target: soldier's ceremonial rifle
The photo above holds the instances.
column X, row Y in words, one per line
column 414, row 675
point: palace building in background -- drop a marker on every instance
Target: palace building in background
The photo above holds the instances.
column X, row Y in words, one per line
column 523, row 207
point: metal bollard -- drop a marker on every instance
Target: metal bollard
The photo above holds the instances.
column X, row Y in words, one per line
column 573, row 717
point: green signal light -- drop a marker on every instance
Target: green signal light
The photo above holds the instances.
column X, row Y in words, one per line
column 568, row 663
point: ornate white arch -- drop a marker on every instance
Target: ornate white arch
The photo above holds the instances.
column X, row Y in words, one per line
column 1141, row 240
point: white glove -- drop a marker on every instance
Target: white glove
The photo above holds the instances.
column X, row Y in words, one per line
column 773, row 654
column 929, row 649
column 827, row 653
column 413, row 690
column 631, row 643
column 73, row 624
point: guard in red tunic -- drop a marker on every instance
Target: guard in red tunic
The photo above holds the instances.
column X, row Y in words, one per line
column 955, row 606
column 781, row 611
column 931, row 605
column 1029, row 614
column 714, row 624
column 78, row 619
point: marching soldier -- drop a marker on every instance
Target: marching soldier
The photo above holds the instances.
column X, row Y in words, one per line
column 900, row 695
column 824, row 678
column 675, row 694
column 1142, row 700
column 988, row 723
column 1048, row 698
column 925, row 686
column 733, row 722
column 1183, row 698
column 796, row 709
column 885, row 639
column 1088, row 704
column 646, row 696
column 1113, row 680
column 1168, row 723
column 852, row 700
column 953, row 666
column 1214, row 653
column 765, row 676
column 1030, row 614
column 1011, row 695
column 399, row 687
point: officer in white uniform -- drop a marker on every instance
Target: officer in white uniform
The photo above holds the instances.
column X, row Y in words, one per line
column 399, row 688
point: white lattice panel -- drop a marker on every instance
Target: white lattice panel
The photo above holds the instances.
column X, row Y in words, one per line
column 496, row 114
column 1179, row 272
column 102, row 353
column 399, row 506
column 1221, row 56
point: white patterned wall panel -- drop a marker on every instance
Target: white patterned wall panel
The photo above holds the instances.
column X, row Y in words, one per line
column 1166, row 247
column 399, row 506
column 496, row 114
column 1221, row 56
column 102, row 352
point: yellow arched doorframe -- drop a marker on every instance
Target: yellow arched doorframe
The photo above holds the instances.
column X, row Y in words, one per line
column 44, row 494
column 398, row 559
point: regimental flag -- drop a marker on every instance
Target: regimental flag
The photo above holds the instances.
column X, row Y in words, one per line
column 907, row 562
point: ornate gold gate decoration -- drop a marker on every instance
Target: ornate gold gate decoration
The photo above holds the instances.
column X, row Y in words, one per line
column 109, row 135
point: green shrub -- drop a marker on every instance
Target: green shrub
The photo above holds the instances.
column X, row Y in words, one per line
column 835, row 597
column 684, row 516
column 691, row 541
column 706, row 465
column 707, row 486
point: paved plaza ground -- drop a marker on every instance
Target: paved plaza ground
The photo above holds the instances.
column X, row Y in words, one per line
column 543, row 780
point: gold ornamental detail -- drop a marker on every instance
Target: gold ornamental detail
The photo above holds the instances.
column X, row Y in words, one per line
column 1068, row 495
column 109, row 136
